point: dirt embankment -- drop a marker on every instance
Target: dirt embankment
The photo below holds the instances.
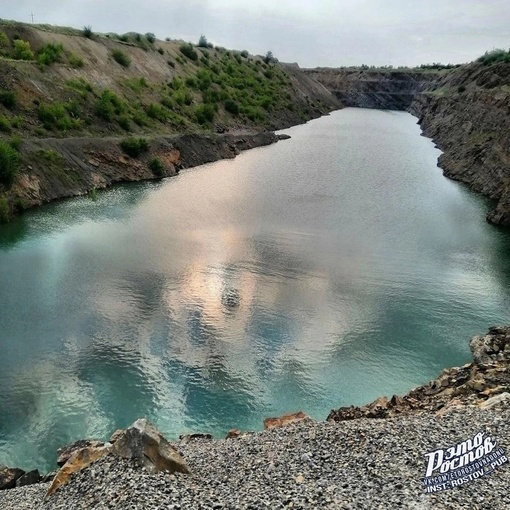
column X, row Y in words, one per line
column 467, row 115
column 68, row 100
column 57, row 168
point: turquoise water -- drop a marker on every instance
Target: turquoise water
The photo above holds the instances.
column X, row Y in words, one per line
column 322, row 271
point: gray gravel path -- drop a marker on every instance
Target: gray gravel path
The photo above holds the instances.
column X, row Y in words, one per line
column 361, row 464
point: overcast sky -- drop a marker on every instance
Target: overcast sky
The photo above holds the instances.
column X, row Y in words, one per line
column 312, row 33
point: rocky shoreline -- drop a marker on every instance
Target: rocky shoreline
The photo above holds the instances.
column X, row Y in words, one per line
column 372, row 456
column 466, row 114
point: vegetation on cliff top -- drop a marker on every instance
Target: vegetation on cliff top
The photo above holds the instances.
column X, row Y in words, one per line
column 494, row 56
column 159, row 86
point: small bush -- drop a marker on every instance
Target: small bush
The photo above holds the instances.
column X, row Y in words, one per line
column 183, row 98
column 8, row 99
column 5, row 124
column 92, row 194
column 244, row 53
column 124, row 37
column 87, row 32
column 232, row 107
column 121, row 58
column 10, row 161
column 157, row 167
column 171, row 63
column 61, row 116
column 124, row 122
column 205, row 113
column 140, row 119
column 75, row 61
column 461, row 89
column 161, row 51
column 188, row 51
column 176, row 84
column 191, row 82
column 15, row 142
column 109, row 105
column 150, row 37
column 202, row 42
column 49, row 54
column 155, row 111
column 4, row 210
column 268, row 57
column 4, row 40
column 134, row 146
column 167, row 103
column 17, row 122
column 49, row 155
column 22, row 50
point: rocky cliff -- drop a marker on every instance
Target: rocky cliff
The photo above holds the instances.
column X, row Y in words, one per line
column 464, row 110
column 467, row 114
column 387, row 89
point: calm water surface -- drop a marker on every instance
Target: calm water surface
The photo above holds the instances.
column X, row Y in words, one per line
column 322, row 271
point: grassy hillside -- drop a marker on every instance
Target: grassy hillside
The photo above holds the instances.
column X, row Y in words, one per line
column 64, row 82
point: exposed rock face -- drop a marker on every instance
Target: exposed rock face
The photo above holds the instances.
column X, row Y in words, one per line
column 8, row 477
column 387, row 90
column 286, row 419
column 494, row 346
column 142, row 441
column 473, row 383
column 466, row 114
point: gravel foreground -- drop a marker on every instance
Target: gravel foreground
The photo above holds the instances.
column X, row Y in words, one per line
column 359, row 464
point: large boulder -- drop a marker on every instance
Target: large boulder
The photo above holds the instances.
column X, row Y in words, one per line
column 65, row 452
column 29, row 478
column 8, row 477
column 79, row 460
column 142, row 441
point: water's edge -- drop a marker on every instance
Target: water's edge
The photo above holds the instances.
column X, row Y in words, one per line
column 188, row 151
column 63, row 168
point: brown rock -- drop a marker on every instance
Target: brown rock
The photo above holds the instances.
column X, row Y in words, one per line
column 8, row 477
column 64, row 453
column 29, row 478
column 493, row 401
column 477, row 384
column 285, row 419
column 397, row 401
column 233, row 433
column 79, row 460
column 142, row 441
column 118, row 433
